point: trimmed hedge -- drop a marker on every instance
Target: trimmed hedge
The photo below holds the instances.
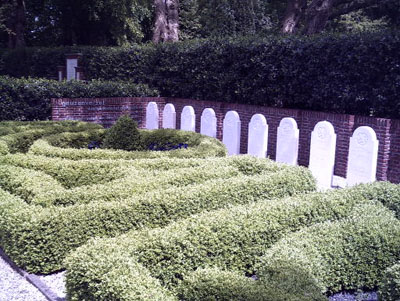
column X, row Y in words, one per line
column 390, row 285
column 355, row 74
column 30, row 99
column 115, row 177
column 124, row 135
column 38, row 238
column 216, row 284
column 206, row 147
column 231, row 238
column 348, row 254
column 75, row 140
column 25, row 183
column 23, row 135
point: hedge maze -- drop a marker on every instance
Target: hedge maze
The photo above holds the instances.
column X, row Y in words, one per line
column 186, row 224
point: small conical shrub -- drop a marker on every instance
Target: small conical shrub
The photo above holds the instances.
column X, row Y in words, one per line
column 124, row 134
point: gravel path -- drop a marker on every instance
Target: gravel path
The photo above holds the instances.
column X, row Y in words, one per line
column 15, row 287
column 16, row 284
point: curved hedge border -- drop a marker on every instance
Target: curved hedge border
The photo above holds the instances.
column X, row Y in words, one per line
column 217, row 284
column 24, row 134
column 230, row 238
column 348, row 254
column 112, row 181
column 207, row 147
column 38, row 238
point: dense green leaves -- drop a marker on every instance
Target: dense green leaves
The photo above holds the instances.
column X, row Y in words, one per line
column 232, row 238
column 348, row 254
column 217, row 284
column 354, row 74
column 390, row 287
column 29, row 99
column 124, row 134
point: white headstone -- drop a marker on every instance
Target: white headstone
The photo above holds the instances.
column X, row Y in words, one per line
column 231, row 133
column 152, row 116
column 363, row 156
column 188, row 119
column 287, row 144
column 322, row 154
column 258, row 136
column 169, row 117
column 71, row 71
column 208, row 124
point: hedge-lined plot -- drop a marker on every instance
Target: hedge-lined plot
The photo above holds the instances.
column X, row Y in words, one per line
column 349, row 254
column 64, row 202
column 65, row 228
column 232, row 238
column 188, row 224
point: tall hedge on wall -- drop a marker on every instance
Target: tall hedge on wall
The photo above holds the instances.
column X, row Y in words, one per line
column 355, row 74
column 30, row 99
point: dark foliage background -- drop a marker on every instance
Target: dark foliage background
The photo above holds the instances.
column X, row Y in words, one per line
column 30, row 99
column 355, row 74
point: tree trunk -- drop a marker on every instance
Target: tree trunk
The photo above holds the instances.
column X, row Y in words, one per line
column 293, row 14
column 16, row 25
column 166, row 21
column 317, row 15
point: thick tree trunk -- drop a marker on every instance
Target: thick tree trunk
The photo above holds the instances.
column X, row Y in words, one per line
column 166, row 25
column 16, row 25
column 293, row 14
column 317, row 15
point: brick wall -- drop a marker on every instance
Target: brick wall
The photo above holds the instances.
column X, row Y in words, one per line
column 106, row 111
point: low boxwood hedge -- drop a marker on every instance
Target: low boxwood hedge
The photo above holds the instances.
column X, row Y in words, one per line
column 231, row 238
column 26, row 183
column 76, row 140
column 70, row 173
column 216, row 284
column 112, row 180
column 206, row 147
column 348, row 254
column 39, row 238
column 24, row 134
column 390, row 285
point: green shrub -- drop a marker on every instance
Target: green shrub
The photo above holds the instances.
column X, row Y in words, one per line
column 390, row 285
column 348, row 254
column 30, row 99
column 207, row 147
column 274, row 71
column 39, row 238
column 75, row 140
column 231, row 238
column 69, row 173
column 215, row 284
column 26, row 133
column 124, row 135
column 27, row 184
column 112, row 180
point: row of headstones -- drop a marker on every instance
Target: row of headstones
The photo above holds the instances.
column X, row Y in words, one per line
column 363, row 152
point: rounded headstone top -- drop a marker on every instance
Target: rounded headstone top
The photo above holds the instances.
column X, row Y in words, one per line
column 324, row 129
column 169, row 107
column 258, row 121
column 364, row 135
column 288, row 125
column 152, row 105
column 188, row 110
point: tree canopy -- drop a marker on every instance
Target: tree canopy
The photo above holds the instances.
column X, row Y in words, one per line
column 124, row 22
